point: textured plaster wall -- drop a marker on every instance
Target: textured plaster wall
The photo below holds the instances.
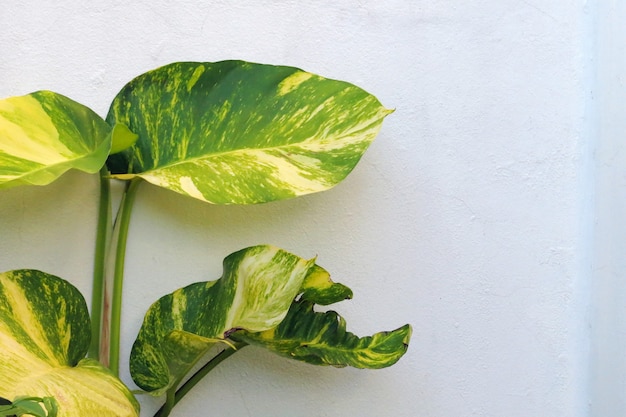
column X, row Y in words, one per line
column 608, row 380
column 470, row 217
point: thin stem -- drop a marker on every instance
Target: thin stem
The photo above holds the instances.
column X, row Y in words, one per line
column 171, row 401
column 126, row 206
column 102, row 239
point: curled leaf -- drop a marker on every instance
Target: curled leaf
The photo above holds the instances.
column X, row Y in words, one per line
column 254, row 293
column 318, row 288
column 322, row 339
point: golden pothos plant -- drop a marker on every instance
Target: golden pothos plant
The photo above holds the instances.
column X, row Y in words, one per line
column 228, row 132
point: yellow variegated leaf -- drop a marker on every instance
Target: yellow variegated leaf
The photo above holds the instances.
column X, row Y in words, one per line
column 318, row 288
column 235, row 132
column 44, row 336
column 44, row 134
column 254, row 293
column 321, row 338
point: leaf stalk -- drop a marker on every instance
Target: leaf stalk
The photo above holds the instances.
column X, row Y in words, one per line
column 174, row 399
column 103, row 235
column 122, row 223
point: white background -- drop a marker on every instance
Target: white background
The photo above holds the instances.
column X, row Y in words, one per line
column 486, row 214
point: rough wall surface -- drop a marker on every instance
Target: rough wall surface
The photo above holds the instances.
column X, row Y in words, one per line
column 467, row 218
column 608, row 362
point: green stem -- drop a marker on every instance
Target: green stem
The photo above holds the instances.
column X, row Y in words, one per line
column 172, row 400
column 102, row 239
column 126, row 206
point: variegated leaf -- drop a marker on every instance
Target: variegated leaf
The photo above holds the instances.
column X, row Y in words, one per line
column 322, row 339
column 44, row 336
column 44, row 134
column 318, row 288
column 254, row 293
column 235, row 132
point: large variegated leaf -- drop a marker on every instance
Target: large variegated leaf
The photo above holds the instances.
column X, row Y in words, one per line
column 44, row 336
column 44, row 134
column 322, row 339
column 235, row 132
column 254, row 293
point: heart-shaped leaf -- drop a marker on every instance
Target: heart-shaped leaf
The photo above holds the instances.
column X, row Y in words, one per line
column 44, row 336
column 44, row 134
column 254, row 293
column 235, row 132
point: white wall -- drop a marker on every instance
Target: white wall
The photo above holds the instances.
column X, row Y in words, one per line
column 470, row 217
column 608, row 380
